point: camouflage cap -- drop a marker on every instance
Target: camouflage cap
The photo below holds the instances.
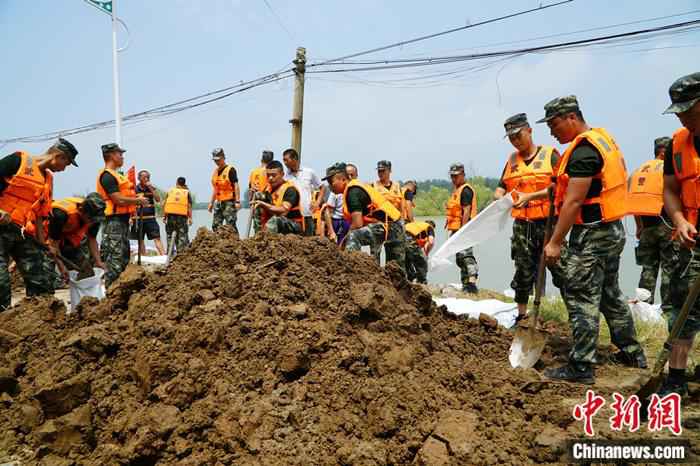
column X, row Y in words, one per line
column 383, row 165
column 65, row 146
column 661, row 142
column 112, row 147
column 514, row 124
column 335, row 169
column 559, row 106
column 684, row 92
column 456, row 168
column 218, row 154
column 267, row 156
column 94, row 207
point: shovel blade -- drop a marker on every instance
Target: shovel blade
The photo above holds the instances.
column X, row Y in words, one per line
column 526, row 348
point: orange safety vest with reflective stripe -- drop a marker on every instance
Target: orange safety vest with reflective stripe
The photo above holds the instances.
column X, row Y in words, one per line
column 393, row 194
column 126, row 188
column 258, row 179
column 28, row 192
column 177, row 202
column 646, row 189
column 223, row 188
column 613, row 176
column 454, row 208
column 686, row 167
column 419, row 231
column 277, row 200
column 377, row 204
column 529, row 178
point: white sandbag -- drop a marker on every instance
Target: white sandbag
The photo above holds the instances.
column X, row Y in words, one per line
column 153, row 260
column 90, row 286
column 493, row 219
column 642, row 311
column 504, row 313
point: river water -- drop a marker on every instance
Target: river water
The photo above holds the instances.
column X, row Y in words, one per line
column 495, row 265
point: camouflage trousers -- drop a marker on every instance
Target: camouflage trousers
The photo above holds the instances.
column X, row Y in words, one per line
column 526, row 246
column 257, row 212
column 468, row 267
column 592, row 263
column 373, row 235
column 416, row 262
column 283, row 226
column 657, row 250
column 31, row 263
column 682, row 278
column 176, row 229
column 114, row 248
column 224, row 212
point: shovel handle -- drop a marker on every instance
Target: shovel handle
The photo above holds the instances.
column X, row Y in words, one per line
column 541, row 271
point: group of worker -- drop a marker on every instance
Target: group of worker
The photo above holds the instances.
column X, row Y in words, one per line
column 588, row 184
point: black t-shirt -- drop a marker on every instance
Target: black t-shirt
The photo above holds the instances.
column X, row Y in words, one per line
column 359, row 201
column 291, row 195
column 59, row 218
column 585, row 161
column 111, row 185
column 9, row 166
column 232, row 175
column 555, row 162
column 150, row 209
column 466, row 197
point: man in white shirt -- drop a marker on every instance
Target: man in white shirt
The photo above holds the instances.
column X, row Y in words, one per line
column 306, row 181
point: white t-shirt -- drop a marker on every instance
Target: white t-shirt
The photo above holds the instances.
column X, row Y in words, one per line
column 306, row 181
column 335, row 202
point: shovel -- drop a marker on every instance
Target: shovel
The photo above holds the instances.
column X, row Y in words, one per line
column 652, row 385
column 250, row 221
column 528, row 343
column 140, row 240
column 171, row 245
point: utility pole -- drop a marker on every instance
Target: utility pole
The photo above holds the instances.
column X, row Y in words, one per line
column 298, row 105
column 115, row 78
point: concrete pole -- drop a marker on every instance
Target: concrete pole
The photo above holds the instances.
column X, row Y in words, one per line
column 298, row 105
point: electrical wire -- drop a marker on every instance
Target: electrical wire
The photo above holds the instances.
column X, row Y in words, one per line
column 279, row 20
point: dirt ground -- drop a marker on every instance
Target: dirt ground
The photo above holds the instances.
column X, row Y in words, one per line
column 277, row 351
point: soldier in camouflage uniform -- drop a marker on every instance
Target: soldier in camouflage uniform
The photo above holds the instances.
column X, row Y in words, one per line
column 374, row 221
column 177, row 213
column 257, row 182
column 225, row 198
column 527, row 174
column 592, row 160
column 461, row 207
column 20, row 173
column 120, row 197
column 417, row 249
column 656, row 247
column 681, row 193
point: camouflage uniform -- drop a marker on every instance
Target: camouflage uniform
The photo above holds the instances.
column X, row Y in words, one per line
column 31, row 262
column 656, row 248
column 283, row 226
column 257, row 212
column 682, row 279
column 372, row 235
column 468, row 268
column 115, row 251
column 224, row 211
column 76, row 255
column 592, row 262
column 177, row 225
column 526, row 247
column 416, row 263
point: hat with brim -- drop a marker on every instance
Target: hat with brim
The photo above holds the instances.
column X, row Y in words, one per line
column 558, row 107
column 514, row 124
column 68, row 149
column 112, row 147
column 680, row 107
column 333, row 170
column 456, row 169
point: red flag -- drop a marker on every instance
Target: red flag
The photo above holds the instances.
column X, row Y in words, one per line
column 131, row 174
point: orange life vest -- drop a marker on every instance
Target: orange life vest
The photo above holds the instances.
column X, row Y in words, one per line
column 530, row 178
column 419, row 231
column 177, row 202
column 258, row 179
column 454, row 208
column 378, row 203
column 686, row 166
column 613, row 176
column 126, row 188
column 223, row 188
column 28, row 192
column 277, row 199
column 75, row 229
column 393, row 194
column 646, row 189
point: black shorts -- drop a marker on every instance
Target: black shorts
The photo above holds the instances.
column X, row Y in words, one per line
column 151, row 229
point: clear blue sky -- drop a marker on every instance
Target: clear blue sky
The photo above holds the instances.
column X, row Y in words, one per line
column 56, row 60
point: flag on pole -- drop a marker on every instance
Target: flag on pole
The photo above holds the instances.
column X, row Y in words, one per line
column 105, row 6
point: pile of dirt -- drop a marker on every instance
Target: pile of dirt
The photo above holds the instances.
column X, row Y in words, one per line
column 276, row 350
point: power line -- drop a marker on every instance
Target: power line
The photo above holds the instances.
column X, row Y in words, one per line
column 438, row 34
column 279, row 20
